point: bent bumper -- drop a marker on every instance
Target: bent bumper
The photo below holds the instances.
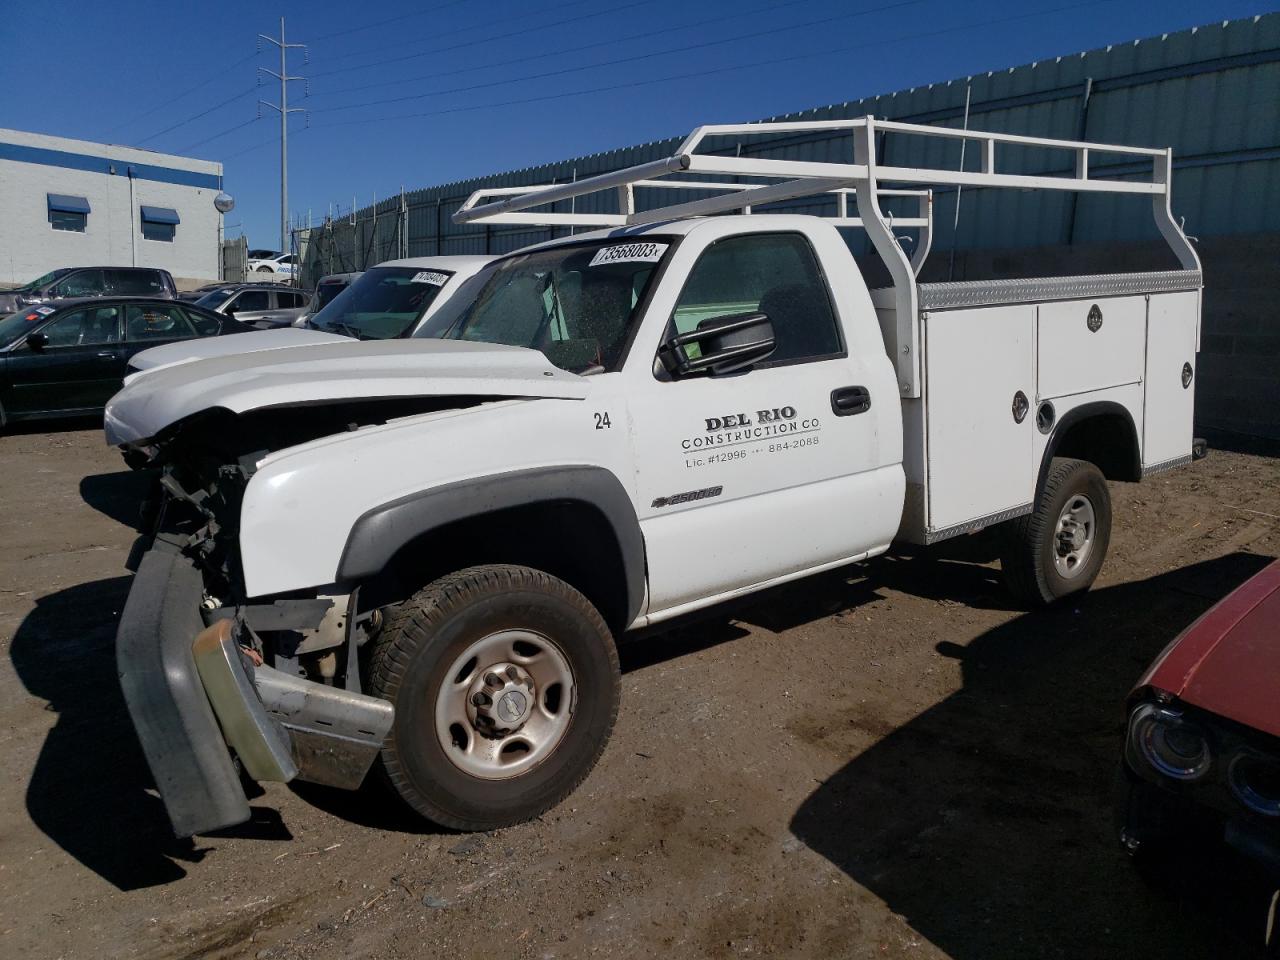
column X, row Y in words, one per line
column 175, row 723
column 191, row 695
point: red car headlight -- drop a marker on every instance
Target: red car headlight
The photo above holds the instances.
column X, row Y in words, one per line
column 1169, row 743
column 1256, row 783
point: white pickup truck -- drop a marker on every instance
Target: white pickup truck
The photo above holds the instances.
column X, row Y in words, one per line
column 423, row 552
column 393, row 299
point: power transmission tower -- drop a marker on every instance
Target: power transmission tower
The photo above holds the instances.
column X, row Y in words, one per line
column 284, row 110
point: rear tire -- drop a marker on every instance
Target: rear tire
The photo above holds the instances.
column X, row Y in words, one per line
column 452, row 753
column 1059, row 547
column 264, row 269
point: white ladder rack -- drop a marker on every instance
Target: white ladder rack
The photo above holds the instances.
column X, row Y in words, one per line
column 771, row 181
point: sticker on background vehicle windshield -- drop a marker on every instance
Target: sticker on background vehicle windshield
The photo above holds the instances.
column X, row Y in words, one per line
column 629, row 253
column 430, row 276
column 44, row 311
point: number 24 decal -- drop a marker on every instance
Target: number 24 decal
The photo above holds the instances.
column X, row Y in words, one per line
column 602, row 421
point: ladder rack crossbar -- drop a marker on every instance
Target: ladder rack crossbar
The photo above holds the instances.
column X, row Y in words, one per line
column 765, row 180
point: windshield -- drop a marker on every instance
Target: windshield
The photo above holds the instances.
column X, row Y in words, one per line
column 17, row 325
column 383, row 303
column 327, row 292
column 48, row 278
column 215, row 299
column 575, row 304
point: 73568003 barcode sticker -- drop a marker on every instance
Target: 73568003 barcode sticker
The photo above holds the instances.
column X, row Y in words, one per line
column 629, row 253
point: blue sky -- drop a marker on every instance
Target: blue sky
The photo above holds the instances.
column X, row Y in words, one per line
column 419, row 93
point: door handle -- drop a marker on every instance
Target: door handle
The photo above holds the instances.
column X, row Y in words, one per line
column 847, row 401
column 106, row 355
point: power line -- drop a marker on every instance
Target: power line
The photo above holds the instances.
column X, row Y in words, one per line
column 808, row 55
column 486, row 24
column 249, row 91
column 565, row 50
column 185, row 93
column 692, row 75
column 771, row 31
column 219, row 136
column 384, row 61
column 383, row 23
column 202, row 113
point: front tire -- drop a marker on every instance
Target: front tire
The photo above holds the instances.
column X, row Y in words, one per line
column 1059, row 547
column 505, row 682
column 264, row 269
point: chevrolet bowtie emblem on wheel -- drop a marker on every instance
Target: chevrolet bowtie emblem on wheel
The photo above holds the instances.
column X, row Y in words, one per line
column 511, row 707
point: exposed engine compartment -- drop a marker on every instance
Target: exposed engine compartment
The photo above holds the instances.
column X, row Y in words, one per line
column 204, row 464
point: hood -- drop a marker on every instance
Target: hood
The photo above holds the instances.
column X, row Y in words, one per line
column 1228, row 661
column 319, row 373
column 184, row 351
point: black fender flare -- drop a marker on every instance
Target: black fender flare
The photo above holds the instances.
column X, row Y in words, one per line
column 1087, row 411
column 381, row 532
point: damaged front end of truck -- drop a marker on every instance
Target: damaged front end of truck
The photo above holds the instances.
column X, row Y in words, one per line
column 219, row 686
column 223, row 685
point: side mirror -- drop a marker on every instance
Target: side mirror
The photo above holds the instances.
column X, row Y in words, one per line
column 37, row 341
column 725, row 344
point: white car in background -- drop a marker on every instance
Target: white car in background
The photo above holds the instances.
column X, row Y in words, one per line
column 396, row 299
column 280, row 265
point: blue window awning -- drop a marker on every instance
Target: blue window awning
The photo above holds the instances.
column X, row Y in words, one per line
column 64, row 203
column 160, row 215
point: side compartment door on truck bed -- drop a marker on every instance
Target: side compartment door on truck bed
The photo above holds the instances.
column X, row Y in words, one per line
column 751, row 476
column 1173, row 320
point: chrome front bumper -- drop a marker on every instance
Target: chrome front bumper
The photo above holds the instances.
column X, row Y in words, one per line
column 195, row 699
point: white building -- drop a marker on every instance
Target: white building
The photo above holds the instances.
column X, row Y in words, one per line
column 70, row 203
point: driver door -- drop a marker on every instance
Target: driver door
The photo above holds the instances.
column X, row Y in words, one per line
column 78, row 368
column 752, row 476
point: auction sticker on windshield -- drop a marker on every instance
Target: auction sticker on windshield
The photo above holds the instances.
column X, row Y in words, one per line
column 430, row 276
column 629, row 253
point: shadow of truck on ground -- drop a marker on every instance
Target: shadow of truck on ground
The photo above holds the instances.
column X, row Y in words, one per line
column 987, row 822
column 90, row 790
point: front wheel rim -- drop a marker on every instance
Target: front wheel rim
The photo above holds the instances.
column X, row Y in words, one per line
column 1074, row 536
column 505, row 704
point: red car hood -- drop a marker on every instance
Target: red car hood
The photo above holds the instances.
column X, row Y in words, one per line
column 1228, row 661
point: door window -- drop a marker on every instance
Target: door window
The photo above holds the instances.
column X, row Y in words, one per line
column 286, row 300
column 206, row 324
column 83, row 328
column 82, row 283
column 775, row 274
column 156, row 322
column 250, row 301
column 135, row 283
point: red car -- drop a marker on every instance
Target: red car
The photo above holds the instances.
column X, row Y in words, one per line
column 1203, row 745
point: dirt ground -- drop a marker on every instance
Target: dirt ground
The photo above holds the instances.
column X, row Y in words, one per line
column 887, row 761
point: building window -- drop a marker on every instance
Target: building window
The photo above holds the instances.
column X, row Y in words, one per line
column 68, row 213
column 159, row 223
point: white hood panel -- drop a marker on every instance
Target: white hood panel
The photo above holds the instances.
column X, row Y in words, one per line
column 185, row 351
column 317, row 373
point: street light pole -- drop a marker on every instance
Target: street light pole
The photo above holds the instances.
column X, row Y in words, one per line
column 284, row 110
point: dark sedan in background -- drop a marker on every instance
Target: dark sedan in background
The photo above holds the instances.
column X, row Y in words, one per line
column 68, row 358
column 77, row 282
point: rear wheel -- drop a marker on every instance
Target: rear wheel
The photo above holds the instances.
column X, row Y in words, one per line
column 264, row 269
column 505, row 682
column 1059, row 547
